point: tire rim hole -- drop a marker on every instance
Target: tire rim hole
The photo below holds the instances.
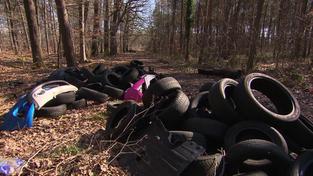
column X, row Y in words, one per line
column 264, row 100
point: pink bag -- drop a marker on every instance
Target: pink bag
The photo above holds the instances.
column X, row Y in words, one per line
column 135, row 92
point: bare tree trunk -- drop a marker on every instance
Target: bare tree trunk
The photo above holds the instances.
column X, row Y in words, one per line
column 65, row 32
column 181, row 43
column 53, row 26
column 45, row 26
column 255, row 35
column 188, row 28
column 300, row 29
column 173, row 30
column 114, row 27
column 11, row 23
column 38, row 20
column 82, row 42
column 24, row 27
column 106, row 22
column 33, row 32
column 96, row 30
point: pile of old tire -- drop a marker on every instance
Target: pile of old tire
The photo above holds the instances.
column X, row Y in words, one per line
column 242, row 134
column 101, row 82
column 259, row 138
column 62, row 102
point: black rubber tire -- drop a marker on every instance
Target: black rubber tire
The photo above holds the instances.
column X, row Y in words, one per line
column 111, row 79
column 78, row 104
column 239, row 154
column 221, row 101
column 206, row 86
column 74, row 81
column 159, row 88
column 172, row 108
column 112, row 107
column 130, row 76
column 94, row 95
column 296, row 128
column 113, row 91
column 119, row 119
column 86, row 73
column 192, row 136
column 120, row 69
column 52, row 111
column 254, row 173
column 212, row 129
column 303, row 166
column 63, row 98
column 199, row 102
column 99, row 69
column 136, row 64
column 286, row 104
column 253, row 130
column 95, row 86
column 207, row 165
column 124, row 110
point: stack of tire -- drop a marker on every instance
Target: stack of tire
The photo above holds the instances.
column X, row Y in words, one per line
column 228, row 115
column 58, row 106
column 101, row 83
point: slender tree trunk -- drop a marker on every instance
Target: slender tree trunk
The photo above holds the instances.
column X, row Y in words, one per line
column 255, row 35
column 181, row 40
column 53, row 27
column 300, row 30
column 33, row 32
column 82, row 44
column 38, row 20
column 96, row 30
column 106, row 22
column 45, row 26
column 173, row 30
column 24, row 27
column 188, row 28
column 11, row 23
column 114, row 27
column 65, row 32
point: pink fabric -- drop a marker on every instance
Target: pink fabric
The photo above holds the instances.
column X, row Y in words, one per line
column 133, row 93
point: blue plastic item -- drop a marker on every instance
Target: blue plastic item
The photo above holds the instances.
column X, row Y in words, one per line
column 20, row 115
column 9, row 166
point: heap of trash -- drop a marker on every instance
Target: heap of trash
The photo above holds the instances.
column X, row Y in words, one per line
column 226, row 129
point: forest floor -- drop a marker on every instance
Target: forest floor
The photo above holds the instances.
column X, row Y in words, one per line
column 63, row 145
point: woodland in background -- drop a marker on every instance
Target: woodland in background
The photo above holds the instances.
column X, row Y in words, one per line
column 73, row 29
column 237, row 32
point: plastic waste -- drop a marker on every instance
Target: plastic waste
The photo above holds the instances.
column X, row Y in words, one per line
column 9, row 166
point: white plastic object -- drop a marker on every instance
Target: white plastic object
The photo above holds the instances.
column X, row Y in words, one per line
column 45, row 92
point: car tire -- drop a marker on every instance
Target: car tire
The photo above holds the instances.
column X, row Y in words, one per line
column 172, row 108
column 78, row 104
column 94, row 95
column 242, row 153
column 221, row 101
column 288, row 109
column 303, row 166
column 159, row 88
column 212, row 129
column 253, row 130
column 113, row 91
column 52, row 111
